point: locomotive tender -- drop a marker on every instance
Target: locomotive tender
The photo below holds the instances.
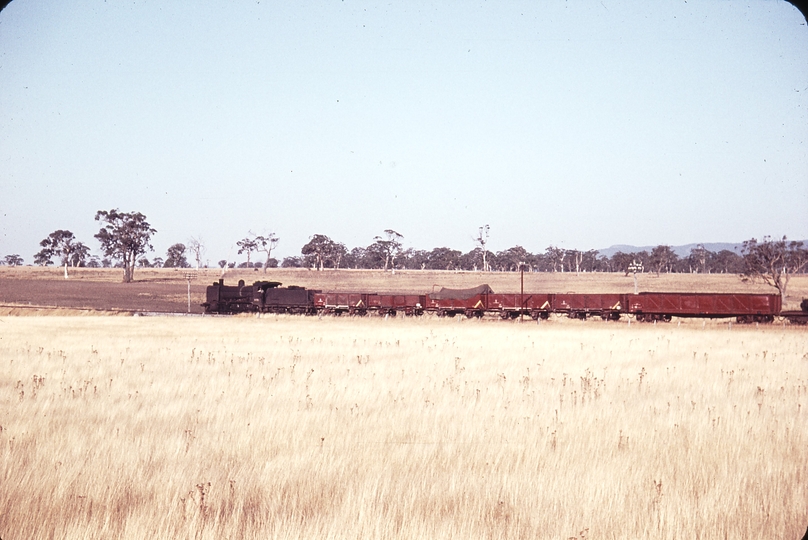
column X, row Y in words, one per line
column 270, row 297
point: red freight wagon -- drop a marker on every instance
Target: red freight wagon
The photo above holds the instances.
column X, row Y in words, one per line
column 390, row 304
column 514, row 304
column 338, row 303
column 663, row 306
column 580, row 306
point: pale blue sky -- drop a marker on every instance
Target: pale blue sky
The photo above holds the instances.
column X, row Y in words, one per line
column 572, row 123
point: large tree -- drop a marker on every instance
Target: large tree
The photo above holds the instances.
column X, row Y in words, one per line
column 13, row 260
column 388, row 249
column 773, row 261
column 124, row 236
column 470, row 260
column 62, row 244
column 699, row 259
column 197, row 249
column 728, row 262
column 482, row 240
column 247, row 245
column 266, row 243
column 356, row 258
column 662, row 258
column 321, row 248
column 512, row 259
column 442, row 258
column 555, row 257
column 175, row 257
column 80, row 255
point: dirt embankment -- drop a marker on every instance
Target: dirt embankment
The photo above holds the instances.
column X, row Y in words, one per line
column 20, row 296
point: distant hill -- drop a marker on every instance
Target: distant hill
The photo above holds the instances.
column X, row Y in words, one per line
column 681, row 251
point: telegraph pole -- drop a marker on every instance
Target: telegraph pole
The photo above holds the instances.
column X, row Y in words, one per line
column 522, row 292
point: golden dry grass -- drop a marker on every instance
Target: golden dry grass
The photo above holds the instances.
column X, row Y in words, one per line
column 293, row 427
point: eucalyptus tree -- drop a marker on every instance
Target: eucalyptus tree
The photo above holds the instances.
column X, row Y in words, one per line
column 773, row 261
column 266, row 243
column 62, row 244
column 125, row 236
column 387, row 249
column 482, row 240
column 13, row 260
column 247, row 245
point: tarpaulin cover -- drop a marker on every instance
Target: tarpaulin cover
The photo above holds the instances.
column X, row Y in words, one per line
column 460, row 294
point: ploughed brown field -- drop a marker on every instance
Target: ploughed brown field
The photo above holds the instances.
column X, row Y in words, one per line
column 23, row 289
column 298, row 427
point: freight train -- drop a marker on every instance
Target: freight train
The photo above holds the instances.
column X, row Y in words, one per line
column 270, row 297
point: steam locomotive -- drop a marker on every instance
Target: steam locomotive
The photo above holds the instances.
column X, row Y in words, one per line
column 270, row 297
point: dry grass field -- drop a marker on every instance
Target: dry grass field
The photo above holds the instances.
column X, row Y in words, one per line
column 301, row 427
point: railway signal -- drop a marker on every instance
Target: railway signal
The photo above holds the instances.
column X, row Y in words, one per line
column 635, row 267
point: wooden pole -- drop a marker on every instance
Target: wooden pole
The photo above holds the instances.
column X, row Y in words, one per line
column 188, row 277
column 522, row 293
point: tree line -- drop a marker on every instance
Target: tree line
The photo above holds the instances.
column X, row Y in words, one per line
column 125, row 240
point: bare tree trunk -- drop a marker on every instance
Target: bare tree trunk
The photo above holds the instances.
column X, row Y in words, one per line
column 128, row 270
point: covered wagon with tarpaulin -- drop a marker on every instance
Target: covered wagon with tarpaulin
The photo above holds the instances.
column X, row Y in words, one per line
column 471, row 302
